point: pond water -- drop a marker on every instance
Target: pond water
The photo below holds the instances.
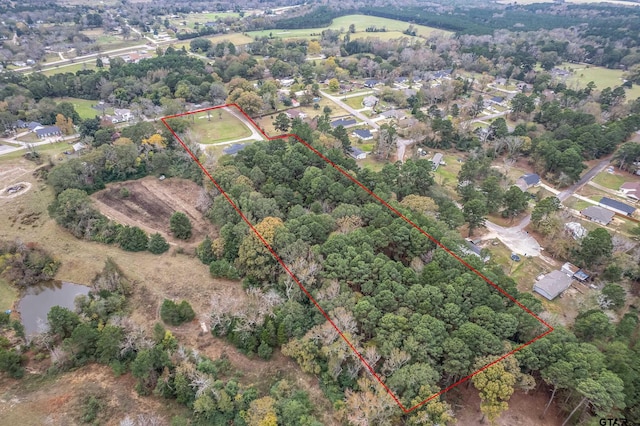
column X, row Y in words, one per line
column 38, row 300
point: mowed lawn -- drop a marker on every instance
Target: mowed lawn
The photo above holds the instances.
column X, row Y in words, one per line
column 222, row 127
column 201, row 18
column 609, row 180
column 394, row 28
column 82, row 106
column 72, row 68
column 602, row 77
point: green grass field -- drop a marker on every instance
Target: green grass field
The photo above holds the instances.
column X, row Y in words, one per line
column 223, row 127
column 8, row 294
column 361, row 22
column 609, row 180
column 602, row 77
column 82, row 106
column 72, row 68
column 354, row 102
column 191, row 18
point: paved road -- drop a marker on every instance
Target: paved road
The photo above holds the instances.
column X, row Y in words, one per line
column 350, row 110
column 562, row 196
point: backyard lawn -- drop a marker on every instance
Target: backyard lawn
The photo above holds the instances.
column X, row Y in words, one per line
column 82, row 106
column 609, row 180
column 222, row 127
column 355, row 102
column 72, row 68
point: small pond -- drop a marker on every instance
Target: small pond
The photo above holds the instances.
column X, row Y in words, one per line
column 38, row 300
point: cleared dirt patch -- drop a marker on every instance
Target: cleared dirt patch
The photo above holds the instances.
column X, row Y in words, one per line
column 524, row 409
column 149, row 203
column 59, row 401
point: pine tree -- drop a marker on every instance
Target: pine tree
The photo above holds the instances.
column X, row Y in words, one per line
column 157, row 244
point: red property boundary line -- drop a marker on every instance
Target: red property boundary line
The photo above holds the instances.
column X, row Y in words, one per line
column 384, row 203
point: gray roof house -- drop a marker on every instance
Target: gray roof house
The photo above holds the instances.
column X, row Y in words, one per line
column 33, row 125
column 370, row 101
column 436, row 160
column 598, row 214
column 393, row 113
column 616, row 206
column 552, row 284
column 371, row 82
column 344, row 122
column 525, row 182
column 45, row 132
column 357, row 153
column 364, row 134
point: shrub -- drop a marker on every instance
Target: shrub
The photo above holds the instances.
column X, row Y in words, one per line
column 223, row 269
column 180, row 225
column 132, row 238
column 11, row 362
column 176, row 314
column 157, row 244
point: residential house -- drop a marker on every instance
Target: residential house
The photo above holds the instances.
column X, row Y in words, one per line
column 235, row 148
column 436, row 160
column 20, row 124
column 631, row 190
column 370, row 101
column 123, row 113
column 344, row 122
column 48, row 131
column 552, row 284
column 393, row 113
column 560, row 72
column 371, row 83
column 497, row 100
column 401, row 80
column 364, row 134
column 473, row 249
column 598, row 214
column 527, row 181
column 443, row 74
column 616, row 206
column 357, row 153
column 294, row 113
column 33, row 126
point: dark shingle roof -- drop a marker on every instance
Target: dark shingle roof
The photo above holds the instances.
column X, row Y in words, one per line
column 617, row 205
column 49, row 130
column 531, row 179
column 343, row 122
column 363, row 133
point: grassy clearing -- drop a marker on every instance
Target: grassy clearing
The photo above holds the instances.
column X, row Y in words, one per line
column 46, row 151
column 602, row 77
column 82, row 106
column 447, row 175
column 361, row 22
column 236, row 38
column 609, row 180
column 8, row 295
column 189, row 20
column 222, row 127
column 72, row 68
column 371, row 164
column 354, row 102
